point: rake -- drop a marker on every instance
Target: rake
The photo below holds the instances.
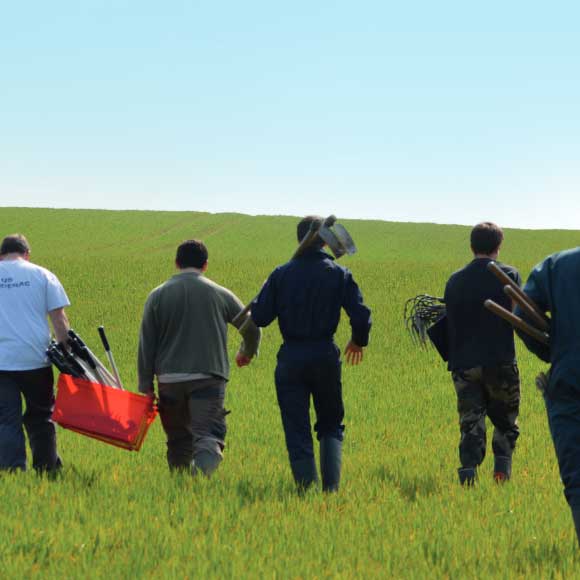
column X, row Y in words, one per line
column 421, row 313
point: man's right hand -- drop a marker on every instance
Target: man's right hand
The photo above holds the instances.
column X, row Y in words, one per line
column 242, row 360
column 148, row 390
column 353, row 353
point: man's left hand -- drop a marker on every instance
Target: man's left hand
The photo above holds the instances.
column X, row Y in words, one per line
column 353, row 353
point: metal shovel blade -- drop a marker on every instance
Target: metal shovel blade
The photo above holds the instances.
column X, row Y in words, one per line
column 338, row 240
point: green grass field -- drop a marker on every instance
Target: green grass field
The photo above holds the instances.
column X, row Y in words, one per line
column 399, row 513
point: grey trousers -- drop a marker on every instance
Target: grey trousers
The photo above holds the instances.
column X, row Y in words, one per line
column 193, row 418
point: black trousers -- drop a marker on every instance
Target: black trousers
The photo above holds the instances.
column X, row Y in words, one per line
column 304, row 371
column 37, row 388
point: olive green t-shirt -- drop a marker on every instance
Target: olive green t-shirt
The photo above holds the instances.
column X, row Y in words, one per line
column 184, row 329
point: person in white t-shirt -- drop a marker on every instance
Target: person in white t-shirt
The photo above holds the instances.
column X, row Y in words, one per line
column 29, row 295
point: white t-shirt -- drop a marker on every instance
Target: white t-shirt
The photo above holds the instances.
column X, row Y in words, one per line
column 27, row 294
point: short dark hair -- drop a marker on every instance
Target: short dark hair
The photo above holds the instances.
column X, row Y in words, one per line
column 14, row 244
column 191, row 254
column 486, row 238
column 304, row 227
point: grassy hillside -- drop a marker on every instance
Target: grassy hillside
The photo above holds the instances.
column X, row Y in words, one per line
column 400, row 512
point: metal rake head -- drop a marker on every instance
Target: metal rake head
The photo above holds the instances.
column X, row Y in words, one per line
column 421, row 312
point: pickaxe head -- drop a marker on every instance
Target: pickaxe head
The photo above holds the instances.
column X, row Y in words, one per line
column 336, row 237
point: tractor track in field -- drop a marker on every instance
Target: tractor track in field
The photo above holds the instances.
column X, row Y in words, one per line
column 202, row 233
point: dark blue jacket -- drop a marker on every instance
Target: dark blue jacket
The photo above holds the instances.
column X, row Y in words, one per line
column 306, row 295
column 555, row 286
column 476, row 336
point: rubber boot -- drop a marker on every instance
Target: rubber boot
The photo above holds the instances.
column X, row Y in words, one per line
column 576, row 516
column 304, row 472
column 467, row 476
column 502, row 470
column 330, row 463
column 205, row 462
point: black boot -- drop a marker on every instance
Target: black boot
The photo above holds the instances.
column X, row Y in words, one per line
column 576, row 516
column 304, row 472
column 467, row 475
column 330, row 463
column 502, row 470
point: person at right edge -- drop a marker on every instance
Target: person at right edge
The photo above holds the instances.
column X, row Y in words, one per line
column 482, row 358
column 306, row 295
column 553, row 285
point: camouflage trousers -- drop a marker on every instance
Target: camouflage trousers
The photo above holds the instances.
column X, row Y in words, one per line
column 493, row 392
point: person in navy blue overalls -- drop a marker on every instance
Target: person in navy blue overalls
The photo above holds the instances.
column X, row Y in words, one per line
column 553, row 286
column 306, row 295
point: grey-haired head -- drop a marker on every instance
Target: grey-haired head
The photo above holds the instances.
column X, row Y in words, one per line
column 14, row 244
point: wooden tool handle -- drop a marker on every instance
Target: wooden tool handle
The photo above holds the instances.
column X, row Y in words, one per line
column 312, row 234
column 517, row 322
column 306, row 242
column 523, row 297
column 243, row 312
column 539, row 321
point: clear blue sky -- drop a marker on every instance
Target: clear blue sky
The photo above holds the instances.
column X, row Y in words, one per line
column 452, row 112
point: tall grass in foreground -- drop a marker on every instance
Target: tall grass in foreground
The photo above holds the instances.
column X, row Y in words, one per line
column 400, row 512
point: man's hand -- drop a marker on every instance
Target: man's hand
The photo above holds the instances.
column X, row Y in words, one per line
column 353, row 353
column 242, row 360
column 542, row 381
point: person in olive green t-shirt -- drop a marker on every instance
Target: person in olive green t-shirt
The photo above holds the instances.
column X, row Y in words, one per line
column 183, row 342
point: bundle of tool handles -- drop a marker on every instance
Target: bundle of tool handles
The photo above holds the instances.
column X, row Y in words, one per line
column 423, row 311
column 76, row 359
column 539, row 325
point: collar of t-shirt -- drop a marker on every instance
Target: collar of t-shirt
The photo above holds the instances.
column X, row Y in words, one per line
column 196, row 271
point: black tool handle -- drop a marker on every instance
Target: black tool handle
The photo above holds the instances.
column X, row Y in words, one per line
column 88, row 358
column 104, row 339
column 72, row 334
column 74, row 364
column 76, row 347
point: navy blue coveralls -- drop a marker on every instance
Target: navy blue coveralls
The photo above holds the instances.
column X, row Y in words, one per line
column 555, row 286
column 306, row 295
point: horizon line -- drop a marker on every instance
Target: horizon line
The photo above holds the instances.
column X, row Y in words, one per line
column 266, row 214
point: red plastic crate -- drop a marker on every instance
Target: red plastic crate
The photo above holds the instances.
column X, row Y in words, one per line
column 111, row 415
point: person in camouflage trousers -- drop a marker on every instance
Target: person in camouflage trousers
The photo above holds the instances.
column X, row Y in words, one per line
column 482, row 358
column 495, row 392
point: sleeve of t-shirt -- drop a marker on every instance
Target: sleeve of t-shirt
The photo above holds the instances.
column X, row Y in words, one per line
column 55, row 294
column 233, row 305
